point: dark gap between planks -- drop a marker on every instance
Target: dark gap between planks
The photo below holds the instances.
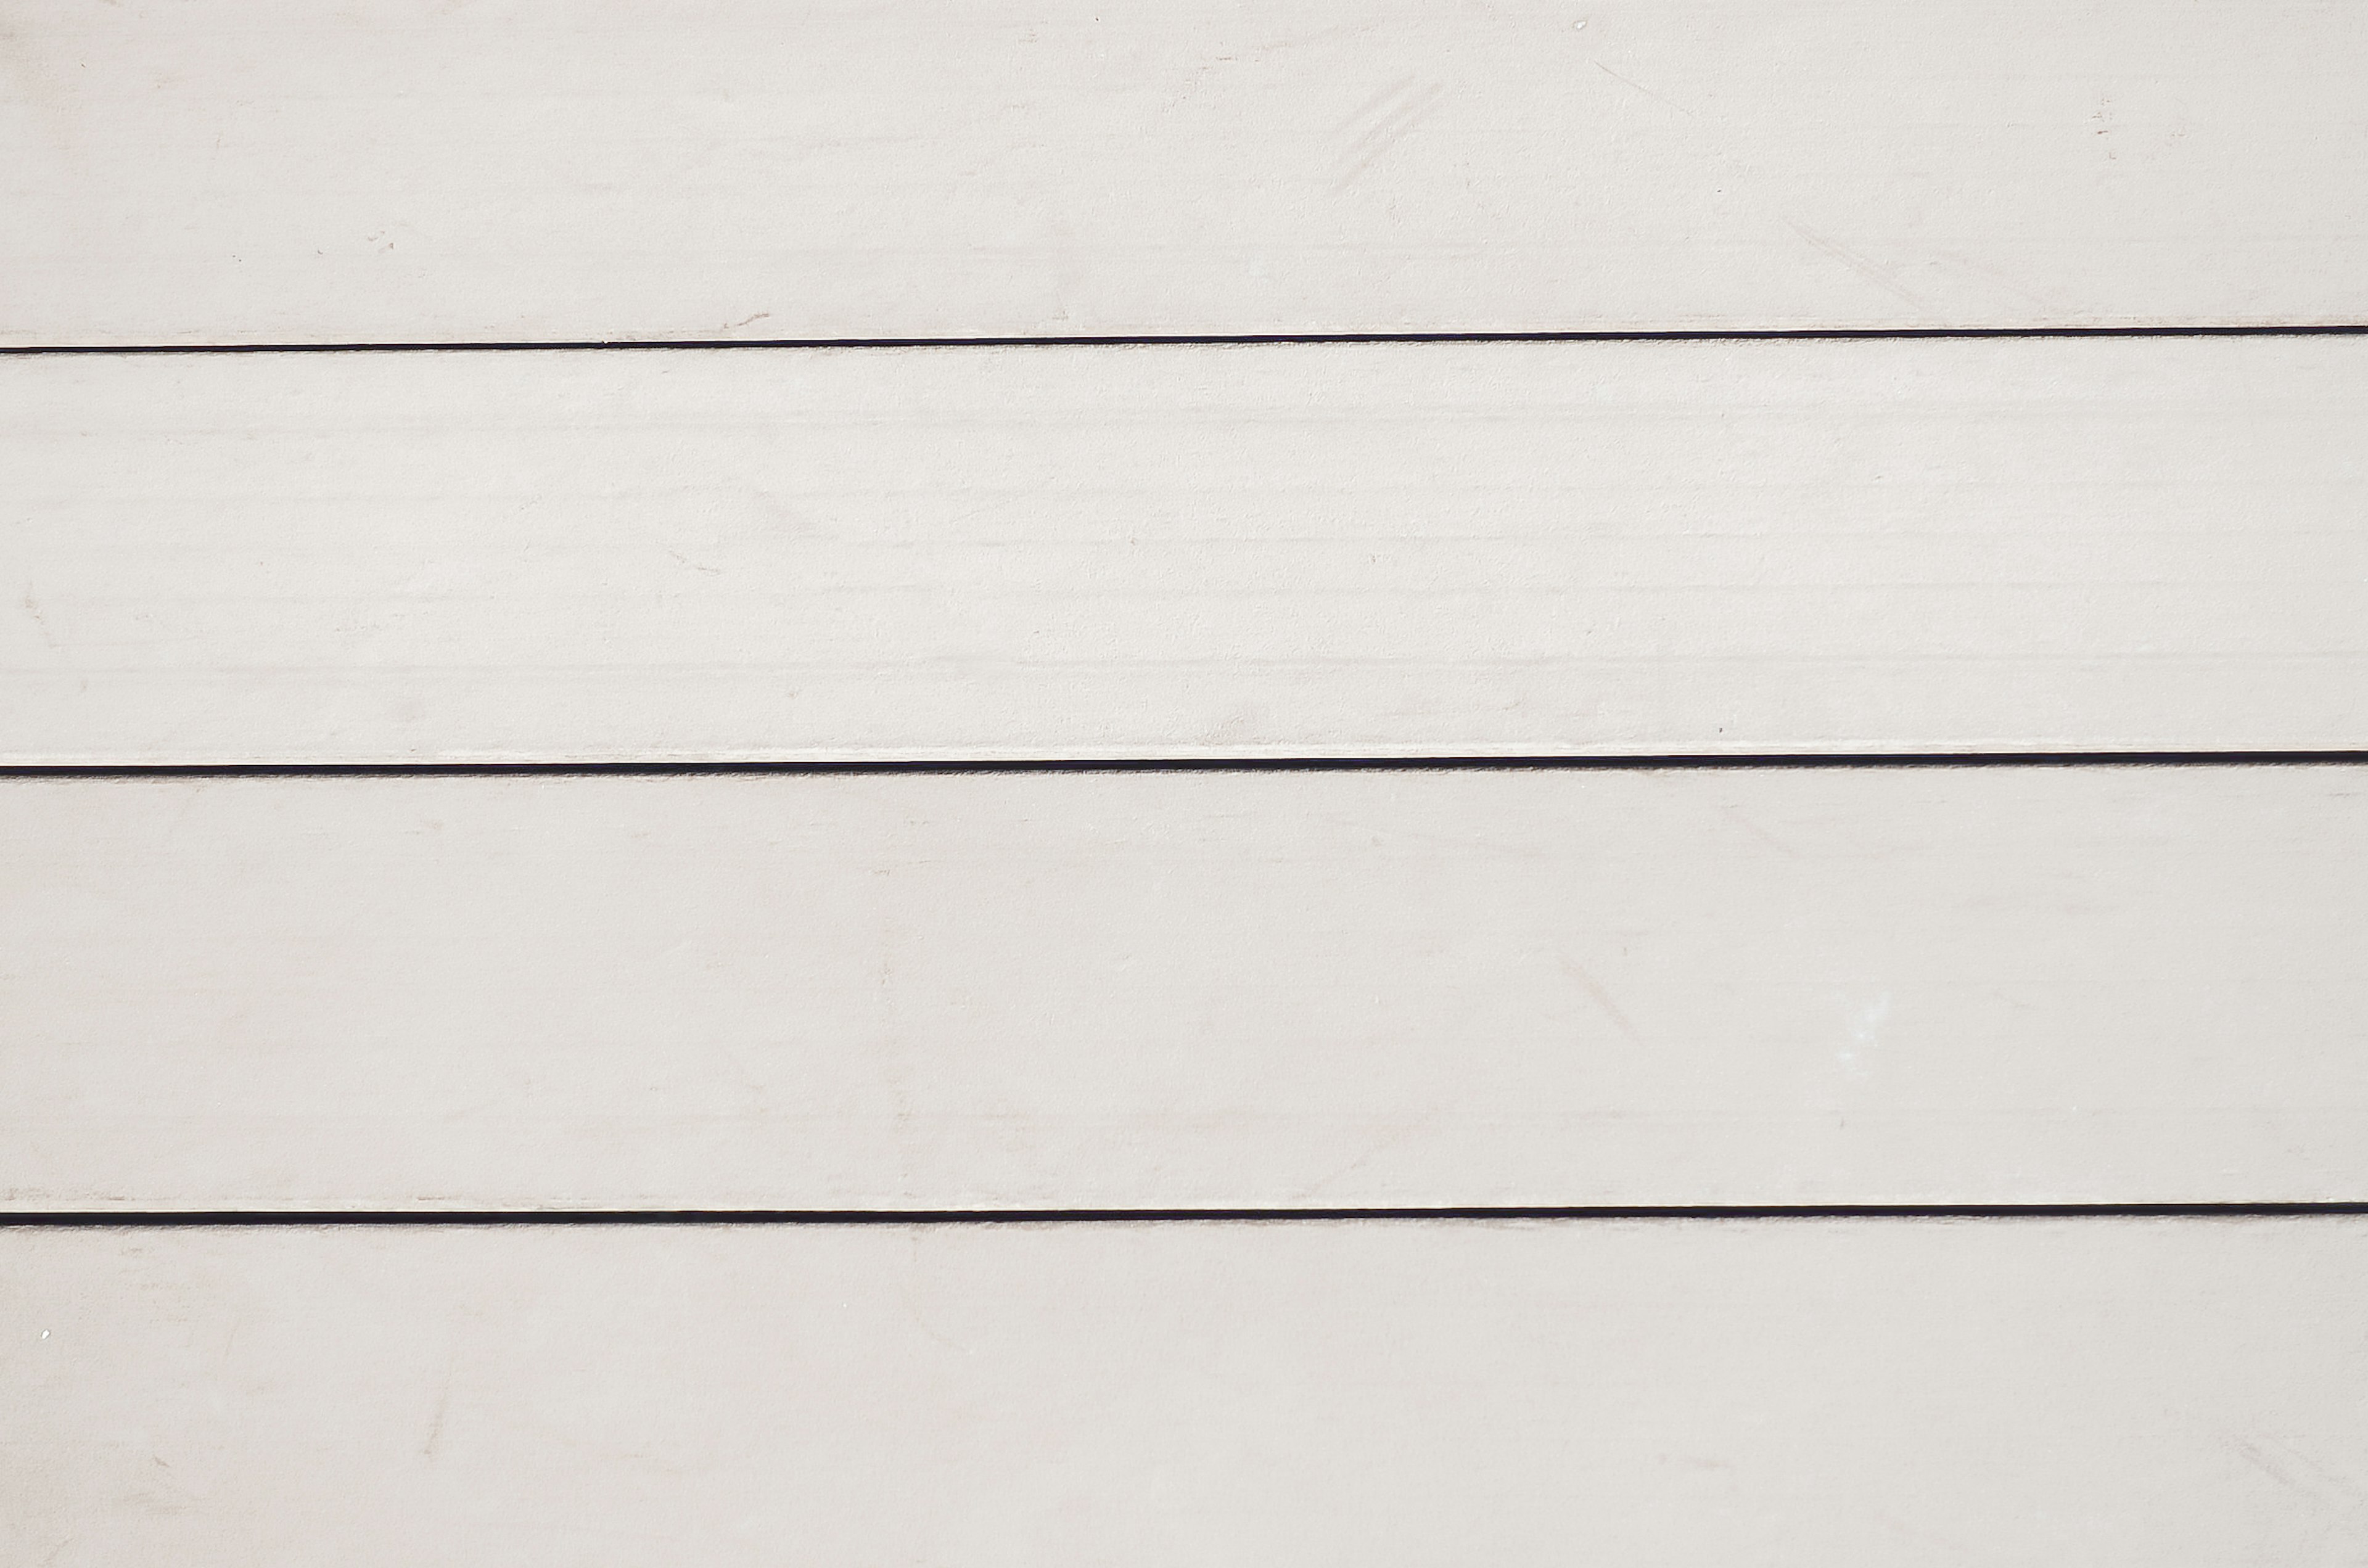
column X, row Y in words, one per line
column 1154, row 340
column 1793, row 760
column 479, row 1218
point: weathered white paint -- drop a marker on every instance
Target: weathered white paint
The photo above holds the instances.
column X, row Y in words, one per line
column 2151, row 1394
column 2108, row 986
column 1401, row 550
column 260, row 171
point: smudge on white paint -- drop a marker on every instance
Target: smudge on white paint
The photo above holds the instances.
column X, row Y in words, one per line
column 1865, row 1035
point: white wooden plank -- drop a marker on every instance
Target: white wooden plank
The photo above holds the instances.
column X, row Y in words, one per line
column 400, row 170
column 2147, row 1395
column 1224, row 990
column 1321, row 549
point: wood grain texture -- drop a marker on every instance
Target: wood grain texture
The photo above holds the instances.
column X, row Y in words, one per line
column 268, row 171
column 1941, row 986
column 1385, row 549
column 2147, row 1395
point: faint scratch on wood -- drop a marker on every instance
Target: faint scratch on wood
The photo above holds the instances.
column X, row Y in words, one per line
column 1351, row 29
column 1588, row 983
column 1873, row 274
column 435, row 1421
column 1642, row 88
column 913, row 1244
column 1371, row 104
column 2002, row 279
column 1390, row 1139
column 2316, row 1482
column 1760, row 833
column 444, row 1392
column 33, row 609
column 1387, row 133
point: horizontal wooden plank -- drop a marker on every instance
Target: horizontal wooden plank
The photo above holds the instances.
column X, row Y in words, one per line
column 1159, row 990
column 1385, row 549
column 2144, row 1394
column 400, row 170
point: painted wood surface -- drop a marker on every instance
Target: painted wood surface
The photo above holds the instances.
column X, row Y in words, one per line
column 1198, row 989
column 2130, row 1394
column 1378, row 550
column 1159, row 990
column 260, row 171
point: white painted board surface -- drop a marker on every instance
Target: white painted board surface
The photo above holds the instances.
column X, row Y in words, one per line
column 2121, row 1394
column 1164, row 990
column 259, row 171
column 1386, row 550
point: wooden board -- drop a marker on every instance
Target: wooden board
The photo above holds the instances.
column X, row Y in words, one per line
column 1090, row 553
column 1165, row 990
column 414, row 996
column 2133, row 1394
column 260, row 171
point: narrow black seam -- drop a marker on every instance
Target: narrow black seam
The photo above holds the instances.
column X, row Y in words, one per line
column 424, row 1218
column 1641, row 763
column 1156, row 340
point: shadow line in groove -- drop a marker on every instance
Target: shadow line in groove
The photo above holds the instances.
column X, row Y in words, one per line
column 1674, row 762
column 1212, row 340
column 429, row 1219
